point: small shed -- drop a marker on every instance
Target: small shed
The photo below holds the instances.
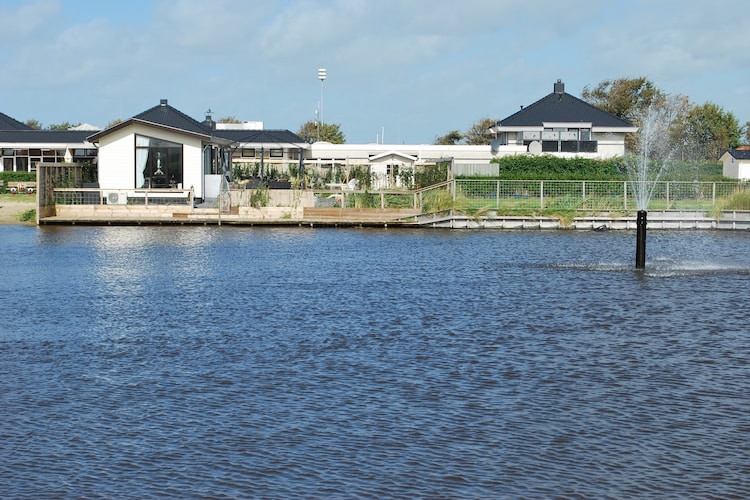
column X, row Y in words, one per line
column 736, row 163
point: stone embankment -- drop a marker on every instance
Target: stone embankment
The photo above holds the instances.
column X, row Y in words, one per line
column 318, row 216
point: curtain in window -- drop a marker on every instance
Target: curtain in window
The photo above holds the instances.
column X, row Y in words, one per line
column 141, row 161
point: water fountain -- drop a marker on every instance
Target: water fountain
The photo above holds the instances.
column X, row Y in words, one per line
column 646, row 167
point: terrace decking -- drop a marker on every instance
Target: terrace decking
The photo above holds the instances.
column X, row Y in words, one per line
column 348, row 217
column 170, row 214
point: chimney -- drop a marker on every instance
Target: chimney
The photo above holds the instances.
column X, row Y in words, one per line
column 209, row 122
column 559, row 87
column 163, row 102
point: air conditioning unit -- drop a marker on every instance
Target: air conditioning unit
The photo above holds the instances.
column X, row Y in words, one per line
column 116, row 198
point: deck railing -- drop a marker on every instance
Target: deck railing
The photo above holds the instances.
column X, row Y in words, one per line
column 143, row 197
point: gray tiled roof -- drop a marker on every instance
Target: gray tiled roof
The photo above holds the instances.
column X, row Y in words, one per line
column 740, row 154
column 260, row 136
column 32, row 136
column 166, row 115
column 562, row 107
column 8, row 123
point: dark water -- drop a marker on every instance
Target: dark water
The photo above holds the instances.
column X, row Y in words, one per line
column 275, row 363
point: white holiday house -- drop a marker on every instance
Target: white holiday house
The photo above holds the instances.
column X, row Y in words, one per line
column 736, row 164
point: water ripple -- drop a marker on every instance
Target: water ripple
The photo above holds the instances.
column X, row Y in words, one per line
column 292, row 363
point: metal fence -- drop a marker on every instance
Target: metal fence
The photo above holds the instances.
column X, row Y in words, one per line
column 513, row 195
column 366, row 199
column 505, row 196
column 144, row 197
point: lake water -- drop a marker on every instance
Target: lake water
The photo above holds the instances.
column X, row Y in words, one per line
column 208, row 362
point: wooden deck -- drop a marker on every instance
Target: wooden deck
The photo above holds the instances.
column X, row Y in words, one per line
column 162, row 215
column 353, row 215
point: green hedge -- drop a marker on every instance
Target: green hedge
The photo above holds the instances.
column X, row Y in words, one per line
column 18, row 176
column 523, row 167
column 15, row 177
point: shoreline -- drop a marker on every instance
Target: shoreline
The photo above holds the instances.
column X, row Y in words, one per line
column 10, row 212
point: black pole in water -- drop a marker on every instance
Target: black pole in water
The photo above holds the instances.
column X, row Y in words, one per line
column 640, row 248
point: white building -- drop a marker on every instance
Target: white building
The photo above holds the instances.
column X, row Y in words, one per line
column 736, row 164
column 563, row 125
column 164, row 148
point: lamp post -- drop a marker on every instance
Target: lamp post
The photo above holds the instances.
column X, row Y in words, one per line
column 322, row 78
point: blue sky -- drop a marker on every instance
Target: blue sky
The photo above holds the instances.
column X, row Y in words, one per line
column 415, row 69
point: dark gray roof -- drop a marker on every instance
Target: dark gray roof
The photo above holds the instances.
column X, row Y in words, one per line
column 8, row 123
column 560, row 106
column 167, row 116
column 740, row 154
column 32, row 136
column 260, row 136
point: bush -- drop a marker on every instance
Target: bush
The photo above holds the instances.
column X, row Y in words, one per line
column 437, row 201
column 526, row 167
column 739, row 200
column 28, row 215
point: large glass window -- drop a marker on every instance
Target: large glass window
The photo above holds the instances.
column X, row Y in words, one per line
column 158, row 163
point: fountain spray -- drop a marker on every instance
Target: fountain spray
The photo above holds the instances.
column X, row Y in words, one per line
column 646, row 167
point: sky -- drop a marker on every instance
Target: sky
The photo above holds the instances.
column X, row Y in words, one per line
column 398, row 71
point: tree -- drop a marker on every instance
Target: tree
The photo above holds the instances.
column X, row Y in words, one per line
column 328, row 132
column 62, row 126
column 114, row 122
column 705, row 132
column 451, row 138
column 476, row 135
column 479, row 132
column 747, row 132
column 35, row 124
column 633, row 98
column 229, row 119
column 625, row 98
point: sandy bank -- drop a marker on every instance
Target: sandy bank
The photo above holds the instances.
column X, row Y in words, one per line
column 10, row 211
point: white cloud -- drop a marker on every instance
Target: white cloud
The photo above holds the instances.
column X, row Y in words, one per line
column 424, row 66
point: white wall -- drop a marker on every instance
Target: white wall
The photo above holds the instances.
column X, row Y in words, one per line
column 359, row 154
column 610, row 144
column 116, row 160
column 734, row 168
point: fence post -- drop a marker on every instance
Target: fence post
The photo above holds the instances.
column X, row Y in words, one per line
column 667, row 189
column 625, row 194
column 497, row 194
column 541, row 195
column 583, row 190
column 713, row 193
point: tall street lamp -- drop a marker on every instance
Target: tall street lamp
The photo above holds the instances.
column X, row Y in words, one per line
column 322, row 78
